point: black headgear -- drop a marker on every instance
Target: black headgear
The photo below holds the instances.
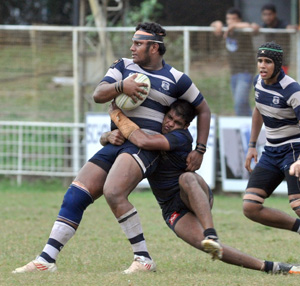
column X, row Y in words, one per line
column 273, row 51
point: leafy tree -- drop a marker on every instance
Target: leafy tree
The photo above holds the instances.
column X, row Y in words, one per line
column 148, row 10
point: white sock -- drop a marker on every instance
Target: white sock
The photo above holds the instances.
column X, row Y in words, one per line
column 61, row 233
column 131, row 225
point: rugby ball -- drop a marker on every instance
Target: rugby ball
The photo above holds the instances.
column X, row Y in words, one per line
column 125, row 102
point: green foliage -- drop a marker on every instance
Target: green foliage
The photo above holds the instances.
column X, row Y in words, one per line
column 149, row 10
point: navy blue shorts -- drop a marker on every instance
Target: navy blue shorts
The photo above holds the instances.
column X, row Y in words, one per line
column 106, row 156
column 174, row 209
column 273, row 168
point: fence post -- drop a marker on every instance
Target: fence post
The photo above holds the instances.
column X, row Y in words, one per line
column 75, row 141
column 20, row 155
column 186, row 50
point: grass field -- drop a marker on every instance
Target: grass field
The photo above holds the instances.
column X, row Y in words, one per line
column 99, row 251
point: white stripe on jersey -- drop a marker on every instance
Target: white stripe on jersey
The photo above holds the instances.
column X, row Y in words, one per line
column 284, row 131
column 285, row 113
column 160, row 97
column 144, row 112
column 294, row 100
column 286, row 81
column 193, row 90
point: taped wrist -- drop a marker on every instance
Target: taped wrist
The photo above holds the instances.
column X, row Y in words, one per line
column 124, row 124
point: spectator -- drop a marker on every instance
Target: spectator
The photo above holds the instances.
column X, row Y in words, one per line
column 270, row 20
column 241, row 58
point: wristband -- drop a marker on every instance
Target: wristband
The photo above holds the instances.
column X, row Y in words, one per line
column 200, row 148
column 252, row 144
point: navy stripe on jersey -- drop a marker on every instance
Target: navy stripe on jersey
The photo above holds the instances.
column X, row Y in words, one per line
column 149, row 103
column 278, row 141
column 279, row 105
column 167, row 85
column 277, row 123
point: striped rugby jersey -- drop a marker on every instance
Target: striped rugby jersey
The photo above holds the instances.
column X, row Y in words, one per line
column 167, row 85
column 279, row 105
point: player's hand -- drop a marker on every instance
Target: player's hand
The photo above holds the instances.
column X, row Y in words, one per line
column 112, row 107
column 115, row 137
column 132, row 88
column 295, row 169
column 252, row 154
column 193, row 161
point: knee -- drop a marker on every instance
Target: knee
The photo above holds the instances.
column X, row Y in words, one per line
column 295, row 205
column 75, row 202
column 252, row 204
column 113, row 195
column 186, row 179
column 249, row 209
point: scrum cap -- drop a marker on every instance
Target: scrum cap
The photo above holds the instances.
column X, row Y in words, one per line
column 274, row 52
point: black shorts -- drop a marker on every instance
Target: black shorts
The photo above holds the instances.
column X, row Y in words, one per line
column 174, row 209
column 147, row 160
column 269, row 180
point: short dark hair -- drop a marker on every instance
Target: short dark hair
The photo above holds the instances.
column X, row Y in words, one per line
column 270, row 7
column 184, row 109
column 234, row 11
column 156, row 28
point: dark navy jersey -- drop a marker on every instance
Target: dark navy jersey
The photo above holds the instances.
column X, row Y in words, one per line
column 167, row 85
column 164, row 181
column 279, row 105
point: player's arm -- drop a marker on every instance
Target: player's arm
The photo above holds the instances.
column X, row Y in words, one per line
column 194, row 159
column 257, row 122
column 149, row 142
column 105, row 91
column 134, row 134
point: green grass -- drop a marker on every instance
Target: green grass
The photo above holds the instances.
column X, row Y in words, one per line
column 99, row 251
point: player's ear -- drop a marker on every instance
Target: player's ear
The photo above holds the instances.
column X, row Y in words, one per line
column 186, row 126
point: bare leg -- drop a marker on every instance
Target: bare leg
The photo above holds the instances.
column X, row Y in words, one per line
column 265, row 215
column 194, row 194
column 123, row 177
column 190, row 230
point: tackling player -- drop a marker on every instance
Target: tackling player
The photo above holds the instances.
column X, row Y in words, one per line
column 184, row 197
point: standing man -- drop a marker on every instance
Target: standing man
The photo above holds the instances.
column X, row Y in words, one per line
column 278, row 108
column 240, row 56
column 270, row 20
column 115, row 170
column 184, row 197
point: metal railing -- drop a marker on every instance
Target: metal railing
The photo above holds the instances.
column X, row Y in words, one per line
column 41, row 148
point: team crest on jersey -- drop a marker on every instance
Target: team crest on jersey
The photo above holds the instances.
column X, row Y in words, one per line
column 276, row 99
column 165, row 85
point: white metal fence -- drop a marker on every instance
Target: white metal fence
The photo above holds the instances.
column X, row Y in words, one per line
column 41, row 149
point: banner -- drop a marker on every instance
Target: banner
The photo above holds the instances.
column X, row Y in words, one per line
column 98, row 123
column 234, row 135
